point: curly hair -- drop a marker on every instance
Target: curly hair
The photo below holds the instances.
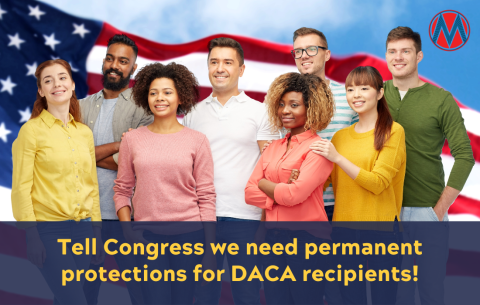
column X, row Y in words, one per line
column 317, row 97
column 186, row 85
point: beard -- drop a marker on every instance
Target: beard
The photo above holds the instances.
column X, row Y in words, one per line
column 115, row 85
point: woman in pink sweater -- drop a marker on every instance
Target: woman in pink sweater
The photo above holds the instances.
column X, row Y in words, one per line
column 171, row 168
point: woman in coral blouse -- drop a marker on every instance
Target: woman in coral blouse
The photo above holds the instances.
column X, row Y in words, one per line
column 302, row 104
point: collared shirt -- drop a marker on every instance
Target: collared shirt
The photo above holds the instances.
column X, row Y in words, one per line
column 233, row 131
column 302, row 200
column 54, row 173
column 126, row 114
column 103, row 134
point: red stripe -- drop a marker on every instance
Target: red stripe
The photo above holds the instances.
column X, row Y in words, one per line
column 254, row 49
column 13, row 298
column 15, row 239
column 463, row 263
column 465, row 205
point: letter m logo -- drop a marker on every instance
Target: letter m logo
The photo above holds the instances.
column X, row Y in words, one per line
column 449, row 30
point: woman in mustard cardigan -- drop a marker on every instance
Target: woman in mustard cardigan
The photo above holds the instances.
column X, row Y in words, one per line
column 367, row 179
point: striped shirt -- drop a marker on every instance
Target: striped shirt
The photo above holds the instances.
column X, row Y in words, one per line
column 344, row 116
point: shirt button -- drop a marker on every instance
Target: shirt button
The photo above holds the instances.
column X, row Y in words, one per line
column 73, row 149
column 75, row 162
column 62, row 125
column 78, row 205
column 78, row 191
column 69, row 137
column 98, row 106
column 91, row 122
column 77, row 176
column 397, row 109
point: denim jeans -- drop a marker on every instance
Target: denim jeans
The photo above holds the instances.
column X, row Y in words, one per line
column 113, row 229
column 55, row 262
column 422, row 224
column 298, row 291
column 239, row 231
column 382, row 292
column 171, row 291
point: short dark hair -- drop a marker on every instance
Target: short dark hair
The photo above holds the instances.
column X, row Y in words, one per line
column 225, row 42
column 404, row 32
column 123, row 39
column 186, row 85
column 306, row 31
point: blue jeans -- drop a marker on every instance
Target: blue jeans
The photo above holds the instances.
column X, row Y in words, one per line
column 422, row 224
column 288, row 291
column 382, row 292
column 55, row 262
column 171, row 291
column 113, row 229
column 243, row 292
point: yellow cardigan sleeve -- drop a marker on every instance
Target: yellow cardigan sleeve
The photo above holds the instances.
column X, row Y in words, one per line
column 23, row 154
column 388, row 163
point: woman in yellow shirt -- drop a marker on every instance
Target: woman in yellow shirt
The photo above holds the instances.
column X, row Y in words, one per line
column 367, row 180
column 54, row 179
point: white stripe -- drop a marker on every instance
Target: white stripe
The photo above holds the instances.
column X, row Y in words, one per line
column 257, row 77
column 472, row 119
column 6, row 213
column 463, row 217
column 472, row 186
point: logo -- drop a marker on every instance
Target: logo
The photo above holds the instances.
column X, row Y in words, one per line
column 449, row 30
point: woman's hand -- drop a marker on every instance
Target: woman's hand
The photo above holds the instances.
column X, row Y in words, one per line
column 266, row 145
column 209, row 262
column 123, row 134
column 36, row 252
column 293, row 176
column 326, row 149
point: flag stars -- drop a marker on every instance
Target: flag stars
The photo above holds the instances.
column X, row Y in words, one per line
column 15, row 41
column 4, row 132
column 80, row 30
column 35, row 11
column 71, row 67
column 31, row 69
column 7, row 85
column 51, row 41
column 25, row 115
column 2, row 12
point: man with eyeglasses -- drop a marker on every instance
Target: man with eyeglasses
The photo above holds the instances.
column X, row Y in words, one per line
column 310, row 50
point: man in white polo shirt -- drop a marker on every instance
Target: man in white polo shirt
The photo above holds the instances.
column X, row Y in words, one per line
column 237, row 127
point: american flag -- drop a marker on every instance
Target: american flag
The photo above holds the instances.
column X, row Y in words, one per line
column 32, row 32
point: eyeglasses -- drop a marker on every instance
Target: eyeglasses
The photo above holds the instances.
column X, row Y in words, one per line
column 311, row 51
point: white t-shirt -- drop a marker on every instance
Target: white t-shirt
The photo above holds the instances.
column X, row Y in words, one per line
column 233, row 131
column 402, row 94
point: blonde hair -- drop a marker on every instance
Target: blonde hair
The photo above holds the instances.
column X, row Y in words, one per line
column 317, row 97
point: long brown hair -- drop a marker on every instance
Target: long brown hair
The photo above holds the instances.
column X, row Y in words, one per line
column 370, row 76
column 41, row 102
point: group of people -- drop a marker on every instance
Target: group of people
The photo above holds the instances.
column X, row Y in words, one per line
column 314, row 151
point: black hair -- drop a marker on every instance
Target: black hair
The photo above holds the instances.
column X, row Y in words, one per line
column 123, row 39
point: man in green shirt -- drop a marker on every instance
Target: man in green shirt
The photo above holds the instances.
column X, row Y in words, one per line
column 429, row 115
